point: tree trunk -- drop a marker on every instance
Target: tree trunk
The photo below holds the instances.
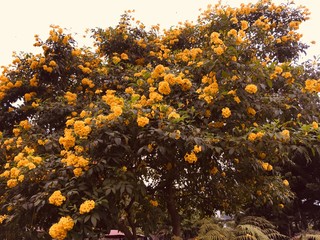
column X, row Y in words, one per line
column 173, row 211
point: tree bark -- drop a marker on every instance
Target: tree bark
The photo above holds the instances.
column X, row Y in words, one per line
column 173, row 211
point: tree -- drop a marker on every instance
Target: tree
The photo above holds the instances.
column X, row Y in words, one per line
column 148, row 127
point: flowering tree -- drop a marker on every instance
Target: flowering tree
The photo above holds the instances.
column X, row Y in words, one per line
column 150, row 126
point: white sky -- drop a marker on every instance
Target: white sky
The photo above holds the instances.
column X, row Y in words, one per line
column 21, row 19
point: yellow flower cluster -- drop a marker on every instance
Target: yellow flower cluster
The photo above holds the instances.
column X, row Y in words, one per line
column 192, row 157
column 255, row 136
column 197, row 149
column 87, row 206
column 158, row 71
column 154, row 203
column 68, row 140
column 187, row 54
column 57, row 198
column 88, row 82
column 86, row 70
column 71, row 97
column 251, row 88
column 60, row 230
column 173, row 115
column 210, row 91
column 81, row 129
column 73, row 160
column 266, row 166
column 48, row 69
column 124, row 56
column 116, row 104
column 25, row 124
column 226, row 112
column 251, row 111
column 315, row 125
column 285, row 134
column 116, row 59
column 164, row 88
column 142, row 121
column 285, row 182
column 3, row 217
column 312, row 85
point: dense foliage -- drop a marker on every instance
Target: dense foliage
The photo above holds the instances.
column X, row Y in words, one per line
column 148, row 129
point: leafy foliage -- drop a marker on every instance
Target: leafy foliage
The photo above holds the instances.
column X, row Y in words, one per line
column 257, row 228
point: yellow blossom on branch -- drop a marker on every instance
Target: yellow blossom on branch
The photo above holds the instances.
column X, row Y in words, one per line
column 70, row 97
column 3, row 217
column 57, row 198
column 285, row 182
column 87, row 206
column 164, row 88
column 142, row 121
column 81, row 129
column 60, row 230
column 315, row 125
column 190, row 158
column 226, row 112
column 285, row 135
column 154, row 203
column 251, row 88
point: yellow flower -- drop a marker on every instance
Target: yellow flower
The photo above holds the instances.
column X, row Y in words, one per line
column 116, row 60
column 164, row 88
column 285, row 134
column 52, row 63
column 237, row 99
column 60, row 230
column 285, row 182
column 27, row 97
column 124, row 56
column 77, row 172
column 226, row 112
column 68, row 140
column 278, row 70
column 315, row 125
column 57, row 198
column 232, row 32
column 266, row 166
column 154, row 203
column 251, row 111
column 70, row 97
column 25, row 124
column 87, row 206
column 81, row 129
column 251, row 88
column 190, row 158
column 3, row 217
column 244, row 25
column 142, row 121
column 124, row 169
column 218, row 50
column 197, row 149
column 173, row 115
column 262, row 155
column 252, row 137
column 11, row 183
column 158, row 71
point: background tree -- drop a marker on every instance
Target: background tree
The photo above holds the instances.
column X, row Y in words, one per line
column 148, row 126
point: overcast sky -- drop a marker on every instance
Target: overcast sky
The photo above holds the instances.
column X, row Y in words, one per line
column 21, row 19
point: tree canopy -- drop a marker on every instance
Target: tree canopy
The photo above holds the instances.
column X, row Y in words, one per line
column 147, row 129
